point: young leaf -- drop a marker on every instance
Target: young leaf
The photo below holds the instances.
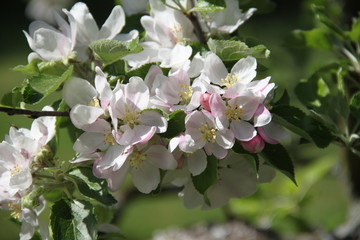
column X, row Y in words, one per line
column 73, row 220
column 176, row 124
column 208, row 177
column 141, row 71
column 355, row 30
column 355, row 105
column 307, row 127
column 229, row 50
column 207, row 6
column 315, row 38
column 110, row 51
column 277, row 156
column 30, row 69
column 91, row 186
column 47, row 84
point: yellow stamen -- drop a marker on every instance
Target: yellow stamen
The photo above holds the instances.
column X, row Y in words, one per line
column 185, row 93
column 209, row 133
column 15, row 210
column 137, row 159
column 94, row 102
column 131, row 118
column 15, row 169
column 230, row 79
column 109, row 138
column 234, row 113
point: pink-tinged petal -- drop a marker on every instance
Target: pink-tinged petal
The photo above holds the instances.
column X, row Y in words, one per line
column 113, row 24
column 89, row 142
column 235, row 90
column 197, row 162
column 191, row 142
column 99, row 126
column 205, row 101
column 43, row 128
column 139, row 134
column 82, row 115
column 161, row 157
column 217, row 105
column 116, row 178
column 151, row 76
column 174, row 143
column 255, row 145
column 218, row 151
column 215, row 69
column 262, row 116
column 145, row 177
column 245, row 69
column 115, row 157
column 242, row 130
column 153, row 118
column 273, row 133
column 137, row 92
column 103, row 88
column 78, row 91
column 248, row 104
column 194, row 120
column 225, row 138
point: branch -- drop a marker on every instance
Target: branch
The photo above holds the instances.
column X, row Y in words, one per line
column 32, row 113
column 195, row 21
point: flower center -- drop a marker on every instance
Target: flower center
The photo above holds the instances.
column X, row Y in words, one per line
column 109, row 138
column 131, row 118
column 176, row 31
column 230, row 79
column 94, row 102
column 15, row 170
column 185, row 93
column 209, row 133
column 137, row 159
column 234, row 113
column 15, row 210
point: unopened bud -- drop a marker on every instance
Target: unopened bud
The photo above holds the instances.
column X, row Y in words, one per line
column 255, row 145
column 204, row 101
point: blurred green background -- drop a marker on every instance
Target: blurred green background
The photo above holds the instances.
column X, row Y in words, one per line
column 320, row 201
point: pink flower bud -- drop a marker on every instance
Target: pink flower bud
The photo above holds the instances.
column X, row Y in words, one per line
column 255, row 145
column 204, row 101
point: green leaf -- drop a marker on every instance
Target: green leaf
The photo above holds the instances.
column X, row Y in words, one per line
column 91, row 186
column 176, row 124
column 110, row 51
column 355, row 30
column 208, row 177
column 355, row 104
column 47, row 84
column 316, row 38
column 141, row 71
column 13, row 98
column 207, row 6
column 29, row 70
column 73, row 220
column 31, row 96
column 277, row 156
column 229, row 50
column 306, row 126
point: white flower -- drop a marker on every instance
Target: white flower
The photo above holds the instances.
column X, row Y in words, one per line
column 227, row 20
column 51, row 44
column 87, row 29
column 134, row 6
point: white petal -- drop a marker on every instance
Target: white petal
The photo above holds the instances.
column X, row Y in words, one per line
column 78, row 91
column 146, row 177
column 154, row 118
column 214, row 69
column 245, row 69
column 82, row 115
column 242, row 130
column 197, row 162
column 113, row 25
column 161, row 157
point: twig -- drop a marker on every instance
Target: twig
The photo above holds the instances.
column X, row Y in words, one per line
column 32, row 113
column 195, row 21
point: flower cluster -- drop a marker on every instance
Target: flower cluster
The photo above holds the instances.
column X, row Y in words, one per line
column 22, row 153
column 160, row 105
